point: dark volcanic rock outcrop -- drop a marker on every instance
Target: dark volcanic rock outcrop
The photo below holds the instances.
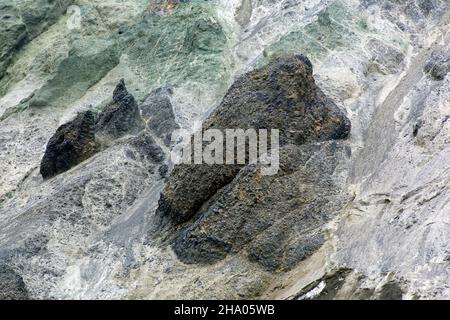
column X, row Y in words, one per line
column 120, row 117
column 157, row 111
column 84, row 136
column 72, row 143
column 12, row 286
column 277, row 220
column 81, row 138
column 281, row 95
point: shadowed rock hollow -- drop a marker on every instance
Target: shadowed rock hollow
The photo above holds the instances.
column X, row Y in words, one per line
column 157, row 111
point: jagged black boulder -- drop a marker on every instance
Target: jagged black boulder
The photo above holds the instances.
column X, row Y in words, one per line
column 276, row 220
column 72, row 143
column 281, row 95
column 84, row 136
column 120, row 117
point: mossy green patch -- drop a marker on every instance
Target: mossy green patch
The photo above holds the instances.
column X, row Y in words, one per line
column 186, row 45
column 88, row 61
column 13, row 110
column 5, row 197
column 9, row 195
column 336, row 27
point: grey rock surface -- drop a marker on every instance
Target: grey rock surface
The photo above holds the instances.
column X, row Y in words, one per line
column 348, row 284
column 157, row 111
column 87, row 62
column 12, row 286
column 13, row 34
column 91, row 232
column 39, row 15
column 438, row 65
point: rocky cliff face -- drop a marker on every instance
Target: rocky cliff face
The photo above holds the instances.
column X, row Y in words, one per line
column 275, row 220
column 282, row 95
column 86, row 178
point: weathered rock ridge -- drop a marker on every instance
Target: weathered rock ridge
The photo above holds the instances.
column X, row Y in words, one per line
column 363, row 216
column 281, row 95
column 72, row 143
column 81, row 138
column 120, row 117
column 23, row 20
column 277, row 219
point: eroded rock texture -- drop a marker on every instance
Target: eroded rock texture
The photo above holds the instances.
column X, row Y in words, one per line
column 281, row 95
column 72, row 143
column 91, row 232
column 348, row 284
column 120, row 117
column 13, row 34
column 438, row 65
column 157, row 111
column 79, row 139
column 12, row 286
column 87, row 62
column 22, row 21
column 277, row 219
